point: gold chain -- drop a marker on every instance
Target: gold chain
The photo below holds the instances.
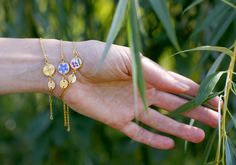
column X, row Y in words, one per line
column 48, row 70
column 63, row 69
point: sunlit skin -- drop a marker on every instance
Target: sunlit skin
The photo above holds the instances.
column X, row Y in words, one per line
column 106, row 95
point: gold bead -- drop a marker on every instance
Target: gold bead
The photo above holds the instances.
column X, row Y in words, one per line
column 64, row 83
column 72, row 78
column 48, row 70
column 51, row 85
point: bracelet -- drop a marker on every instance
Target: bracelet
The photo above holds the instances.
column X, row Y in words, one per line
column 63, row 69
column 49, row 71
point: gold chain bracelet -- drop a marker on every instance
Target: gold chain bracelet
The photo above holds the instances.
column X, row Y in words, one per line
column 49, row 71
column 63, row 69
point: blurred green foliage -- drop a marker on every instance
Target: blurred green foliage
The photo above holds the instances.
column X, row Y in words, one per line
column 29, row 137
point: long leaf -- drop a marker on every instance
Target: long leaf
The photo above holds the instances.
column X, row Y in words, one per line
column 207, row 86
column 232, row 118
column 216, row 64
column 195, row 3
column 208, row 148
column 162, row 11
column 232, row 146
column 115, row 28
column 229, row 153
column 222, row 25
column 185, row 107
column 229, row 3
column 191, row 122
column 205, row 91
column 215, row 14
column 135, row 46
column 209, row 48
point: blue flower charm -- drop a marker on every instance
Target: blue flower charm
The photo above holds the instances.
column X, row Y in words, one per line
column 63, row 68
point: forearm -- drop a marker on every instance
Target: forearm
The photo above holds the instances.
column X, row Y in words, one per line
column 21, row 63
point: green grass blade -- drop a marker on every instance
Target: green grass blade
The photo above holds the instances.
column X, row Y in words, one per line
column 232, row 146
column 209, row 146
column 223, row 25
column 115, row 28
column 207, row 86
column 162, row 11
column 195, row 3
column 233, row 88
column 135, row 46
column 232, row 118
column 191, row 122
column 205, row 91
column 185, row 107
column 229, row 153
column 216, row 64
column 229, row 3
column 215, row 14
column 209, row 48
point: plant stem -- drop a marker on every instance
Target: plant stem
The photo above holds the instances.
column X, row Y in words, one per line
column 228, row 85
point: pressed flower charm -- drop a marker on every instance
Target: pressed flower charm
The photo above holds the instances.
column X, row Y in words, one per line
column 76, row 63
column 63, row 68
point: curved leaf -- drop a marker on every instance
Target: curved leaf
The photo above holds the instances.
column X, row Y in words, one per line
column 135, row 46
column 195, row 3
column 115, row 28
column 162, row 11
column 209, row 48
column 229, row 3
column 205, row 90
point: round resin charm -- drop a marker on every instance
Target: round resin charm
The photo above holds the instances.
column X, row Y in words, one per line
column 63, row 68
column 76, row 63
column 64, row 83
column 51, row 85
column 48, row 70
column 72, row 78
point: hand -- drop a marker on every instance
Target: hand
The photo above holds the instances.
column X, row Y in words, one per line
column 107, row 96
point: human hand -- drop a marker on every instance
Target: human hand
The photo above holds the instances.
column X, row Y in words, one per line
column 107, row 96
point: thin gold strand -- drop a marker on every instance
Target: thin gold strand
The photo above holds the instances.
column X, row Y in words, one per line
column 64, row 114
column 50, row 103
column 68, row 118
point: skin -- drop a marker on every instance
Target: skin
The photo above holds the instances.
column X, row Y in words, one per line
column 106, row 95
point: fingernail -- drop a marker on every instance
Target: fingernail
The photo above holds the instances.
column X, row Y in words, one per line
column 182, row 86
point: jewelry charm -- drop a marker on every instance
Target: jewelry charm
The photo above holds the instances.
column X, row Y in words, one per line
column 75, row 64
column 64, row 84
column 72, row 78
column 48, row 69
column 63, row 68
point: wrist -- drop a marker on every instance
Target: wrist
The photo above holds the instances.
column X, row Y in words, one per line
column 22, row 61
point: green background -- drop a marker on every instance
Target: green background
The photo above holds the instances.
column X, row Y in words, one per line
column 27, row 136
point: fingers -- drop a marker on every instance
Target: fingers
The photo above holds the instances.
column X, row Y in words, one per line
column 171, row 102
column 193, row 87
column 165, row 124
column 170, row 81
column 161, row 79
column 142, row 135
